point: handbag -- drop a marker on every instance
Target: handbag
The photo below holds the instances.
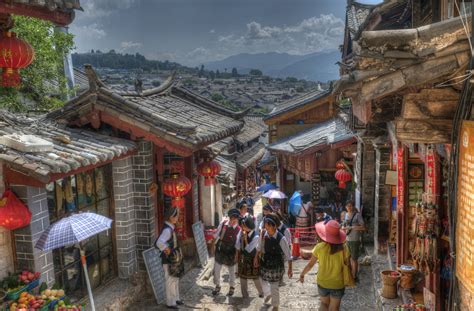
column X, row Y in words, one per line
column 346, row 271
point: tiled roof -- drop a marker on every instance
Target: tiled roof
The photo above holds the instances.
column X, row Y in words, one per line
column 253, row 128
column 62, row 5
column 356, row 15
column 322, row 134
column 267, row 158
column 228, row 171
column 250, row 156
column 220, row 146
column 85, row 147
column 169, row 112
column 298, row 102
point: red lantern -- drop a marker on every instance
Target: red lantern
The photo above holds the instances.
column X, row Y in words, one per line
column 340, row 165
column 209, row 170
column 14, row 55
column 343, row 176
column 176, row 187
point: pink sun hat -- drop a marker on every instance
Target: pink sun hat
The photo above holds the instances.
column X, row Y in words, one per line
column 330, row 232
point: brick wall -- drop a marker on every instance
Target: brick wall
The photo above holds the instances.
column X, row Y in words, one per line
column 6, row 251
column 143, row 201
column 123, row 178
column 25, row 238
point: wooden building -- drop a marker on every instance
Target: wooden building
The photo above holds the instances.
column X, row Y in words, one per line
column 308, row 137
column 403, row 66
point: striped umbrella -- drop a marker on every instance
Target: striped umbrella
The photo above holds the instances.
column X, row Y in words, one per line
column 72, row 230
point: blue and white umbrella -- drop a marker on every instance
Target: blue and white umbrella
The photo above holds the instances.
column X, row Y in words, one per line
column 266, row 187
column 73, row 230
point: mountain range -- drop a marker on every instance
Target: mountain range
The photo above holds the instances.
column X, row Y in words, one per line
column 319, row 66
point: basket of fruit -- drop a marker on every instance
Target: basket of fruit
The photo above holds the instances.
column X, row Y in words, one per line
column 63, row 306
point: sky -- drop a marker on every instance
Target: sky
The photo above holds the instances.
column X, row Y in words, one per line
column 193, row 32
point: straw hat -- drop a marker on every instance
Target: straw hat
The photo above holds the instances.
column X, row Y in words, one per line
column 330, row 232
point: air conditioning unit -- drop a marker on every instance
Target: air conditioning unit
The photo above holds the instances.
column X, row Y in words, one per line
column 26, row 143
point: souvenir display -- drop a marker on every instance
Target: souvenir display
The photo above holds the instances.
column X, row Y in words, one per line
column 425, row 252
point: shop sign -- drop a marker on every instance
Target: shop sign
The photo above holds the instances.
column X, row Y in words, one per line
column 401, row 178
column 465, row 202
column 432, row 174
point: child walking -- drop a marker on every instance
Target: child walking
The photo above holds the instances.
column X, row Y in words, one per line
column 247, row 250
column 171, row 257
column 272, row 252
column 226, row 239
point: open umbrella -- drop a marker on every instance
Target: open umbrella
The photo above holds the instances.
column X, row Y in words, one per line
column 274, row 194
column 295, row 203
column 71, row 230
column 265, row 187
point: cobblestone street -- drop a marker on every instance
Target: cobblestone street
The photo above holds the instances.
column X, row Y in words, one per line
column 196, row 293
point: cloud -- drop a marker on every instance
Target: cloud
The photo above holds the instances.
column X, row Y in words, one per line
column 130, row 45
column 212, row 31
column 91, row 31
column 101, row 8
column 315, row 34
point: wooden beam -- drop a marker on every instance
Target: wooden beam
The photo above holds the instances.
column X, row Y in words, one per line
column 427, row 131
column 57, row 17
column 430, row 104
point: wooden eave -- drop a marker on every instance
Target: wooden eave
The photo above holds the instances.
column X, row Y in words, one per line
column 292, row 113
column 57, row 17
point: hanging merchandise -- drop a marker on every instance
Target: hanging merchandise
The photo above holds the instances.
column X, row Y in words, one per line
column 425, row 252
column 13, row 213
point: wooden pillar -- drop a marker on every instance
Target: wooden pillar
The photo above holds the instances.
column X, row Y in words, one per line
column 402, row 238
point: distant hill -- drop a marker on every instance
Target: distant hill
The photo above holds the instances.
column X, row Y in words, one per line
column 320, row 66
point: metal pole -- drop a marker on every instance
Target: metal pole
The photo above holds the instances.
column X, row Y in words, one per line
column 86, row 275
column 213, row 205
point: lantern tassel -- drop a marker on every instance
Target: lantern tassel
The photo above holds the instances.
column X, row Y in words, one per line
column 178, row 202
column 342, row 185
column 209, row 181
column 10, row 77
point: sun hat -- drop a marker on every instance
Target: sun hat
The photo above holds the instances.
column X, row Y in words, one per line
column 330, row 232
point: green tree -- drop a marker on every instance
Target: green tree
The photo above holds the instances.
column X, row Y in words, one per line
column 216, row 97
column 50, row 47
column 218, row 73
column 256, row 72
column 234, row 72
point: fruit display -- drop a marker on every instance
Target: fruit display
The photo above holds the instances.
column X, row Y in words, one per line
column 62, row 306
column 26, row 277
column 27, row 302
column 410, row 307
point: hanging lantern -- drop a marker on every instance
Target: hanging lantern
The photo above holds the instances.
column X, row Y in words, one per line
column 14, row 55
column 209, row 170
column 343, row 176
column 340, row 165
column 13, row 213
column 176, row 187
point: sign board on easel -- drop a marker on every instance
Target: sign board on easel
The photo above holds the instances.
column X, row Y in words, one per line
column 201, row 246
column 156, row 274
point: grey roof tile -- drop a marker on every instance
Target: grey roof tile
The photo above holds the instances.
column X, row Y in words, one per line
column 85, row 148
column 322, row 134
column 250, row 156
column 253, row 128
column 298, row 102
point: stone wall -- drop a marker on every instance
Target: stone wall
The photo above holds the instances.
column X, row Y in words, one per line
column 143, row 200
column 25, row 238
column 367, row 184
column 6, row 250
column 382, row 195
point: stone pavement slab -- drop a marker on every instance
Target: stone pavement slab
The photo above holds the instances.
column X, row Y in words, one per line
column 196, row 293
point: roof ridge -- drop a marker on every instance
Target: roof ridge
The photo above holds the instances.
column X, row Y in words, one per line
column 184, row 93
